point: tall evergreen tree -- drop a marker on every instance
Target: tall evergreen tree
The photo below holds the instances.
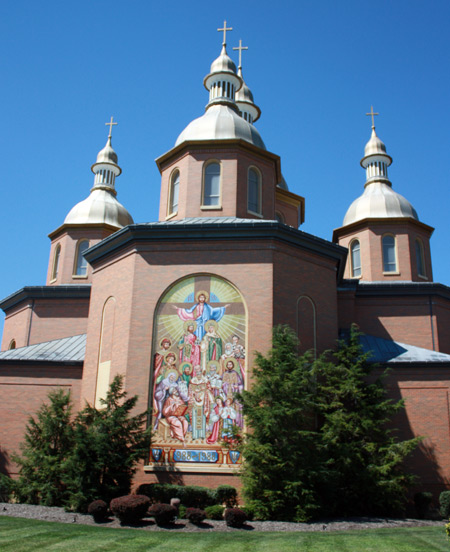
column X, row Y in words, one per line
column 47, row 446
column 109, row 442
column 364, row 460
column 280, row 449
column 319, row 441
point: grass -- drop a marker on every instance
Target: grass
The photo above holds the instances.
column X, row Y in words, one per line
column 24, row 535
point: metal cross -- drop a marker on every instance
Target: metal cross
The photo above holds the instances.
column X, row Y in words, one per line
column 110, row 124
column 372, row 115
column 225, row 29
column 240, row 48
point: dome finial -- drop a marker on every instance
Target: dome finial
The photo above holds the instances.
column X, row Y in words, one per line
column 372, row 114
column 240, row 48
column 110, row 124
column 225, row 29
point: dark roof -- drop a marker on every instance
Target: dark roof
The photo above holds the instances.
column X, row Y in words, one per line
column 217, row 228
column 386, row 351
column 397, row 288
column 69, row 291
column 66, row 350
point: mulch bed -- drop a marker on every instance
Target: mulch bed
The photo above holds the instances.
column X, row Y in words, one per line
column 45, row 513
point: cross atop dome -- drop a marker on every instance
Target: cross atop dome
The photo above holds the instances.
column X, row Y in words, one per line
column 372, row 114
column 240, row 48
column 110, row 124
column 225, row 29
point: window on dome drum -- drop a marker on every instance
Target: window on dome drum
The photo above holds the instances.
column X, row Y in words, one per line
column 389, row 257
column 279, row 217
column 12, row 345
column 81, row 263
column 355, row 255
column 420, row 259
column 211, row 185
column 56, row 262
column 174, row 192
column 254, row 192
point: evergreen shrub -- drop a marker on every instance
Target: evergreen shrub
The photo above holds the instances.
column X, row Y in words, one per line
column 130, row 508
column 5, row 488
column 226, row 494
column 163, row 513
column 182, row 511
column 195, row 515
column 191, row 496
column 215, row 512
column 98, row 509
column 422, row 502
column 444, row 504
column 235, row 517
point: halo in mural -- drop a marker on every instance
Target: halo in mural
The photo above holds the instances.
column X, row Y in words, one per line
column 200, row 326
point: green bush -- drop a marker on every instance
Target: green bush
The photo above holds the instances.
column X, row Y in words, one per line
column 215, row 512
column 444, row 504
column 190, row 496
column 226, row 494
column 5, row 488
column 182, row 512
column 422, row 502
column 250, row 511
column 130, row 508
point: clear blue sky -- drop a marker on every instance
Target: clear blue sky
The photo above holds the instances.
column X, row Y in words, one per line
column 315, row 68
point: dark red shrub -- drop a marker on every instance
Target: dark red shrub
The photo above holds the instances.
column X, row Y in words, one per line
column 235, row 517
column 98, row 510
column 195, row 515
column 130, row 508
column 163, row 513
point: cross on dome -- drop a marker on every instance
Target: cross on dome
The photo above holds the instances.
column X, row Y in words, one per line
column 110, row 124
column 372, row 115
column 240, row 48
column 225, row 29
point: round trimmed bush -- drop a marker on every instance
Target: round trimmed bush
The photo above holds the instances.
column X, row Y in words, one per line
column 215, row 512
column 235, row 517
column 163, row 513
column 130, row 508
column 195, row 515
column 98, row 510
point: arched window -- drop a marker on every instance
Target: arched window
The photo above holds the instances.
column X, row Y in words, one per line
column 420, row 259
column 174, row 192
column 254, row 192
column 12, row 344
column 389, row 256
column 56, row 262
column 280, row 217
column 211, row 185
column 355, row 256
column 80, row 267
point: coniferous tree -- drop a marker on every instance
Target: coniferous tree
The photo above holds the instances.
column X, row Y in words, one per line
column 47, row 446
column 319, row 441
column 364, row 460
column 109, row 442
column 280, row 449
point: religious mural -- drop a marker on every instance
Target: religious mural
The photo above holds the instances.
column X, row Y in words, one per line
column 198, row 367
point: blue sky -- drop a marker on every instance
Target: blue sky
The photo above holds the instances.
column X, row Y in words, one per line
column 315, row 68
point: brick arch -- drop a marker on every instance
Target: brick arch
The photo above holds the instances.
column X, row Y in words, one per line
column 307, row 323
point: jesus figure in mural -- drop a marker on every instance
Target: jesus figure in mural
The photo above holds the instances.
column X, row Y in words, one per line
column 201, row 312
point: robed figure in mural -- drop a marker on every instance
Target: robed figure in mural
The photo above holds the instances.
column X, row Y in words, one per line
column 174, row 410
column 188, row 345
column 201, row 312
column 200, row 399
column 211, row 345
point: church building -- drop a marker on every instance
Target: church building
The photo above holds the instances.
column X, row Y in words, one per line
column 179, row 305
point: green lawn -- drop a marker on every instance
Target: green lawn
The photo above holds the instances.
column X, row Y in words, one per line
column 24, row 535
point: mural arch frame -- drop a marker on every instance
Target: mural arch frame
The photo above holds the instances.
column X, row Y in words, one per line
column 198, row 364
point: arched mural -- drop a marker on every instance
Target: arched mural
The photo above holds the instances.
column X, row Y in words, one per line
column 199, row 364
